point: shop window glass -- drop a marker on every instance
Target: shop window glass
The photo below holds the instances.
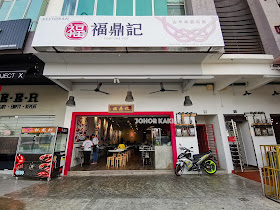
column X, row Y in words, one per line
column 175, row 7
column 85, row 7
column 36, row 144
column 105, row 7
column 4, row 8
column 143, row 7
column 124, row 8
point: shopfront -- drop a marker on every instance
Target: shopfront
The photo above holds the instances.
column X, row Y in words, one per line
column 148, row 136
column 208, row 116
column 164, row 69
column 27, row 106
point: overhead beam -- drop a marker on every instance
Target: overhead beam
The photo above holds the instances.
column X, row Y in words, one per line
column 128, row 77
column 259, row 82
column 187, row 84
column 225, row 81
column 65, row 84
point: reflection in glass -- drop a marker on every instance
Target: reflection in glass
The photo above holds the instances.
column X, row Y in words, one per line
column 36, row 143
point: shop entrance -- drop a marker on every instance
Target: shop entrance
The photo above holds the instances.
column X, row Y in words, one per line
column 276, row 126
column 241, row 143
column 129, row 141
column 202, row 138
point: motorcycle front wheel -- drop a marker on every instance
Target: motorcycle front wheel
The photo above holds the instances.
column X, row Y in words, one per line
column 178, row 170
column 210, row 167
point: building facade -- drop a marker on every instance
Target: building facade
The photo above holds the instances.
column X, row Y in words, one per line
column 222, row 57
column 27, row 98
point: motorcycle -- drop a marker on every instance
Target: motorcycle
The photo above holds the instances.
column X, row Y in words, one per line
column 205, row 161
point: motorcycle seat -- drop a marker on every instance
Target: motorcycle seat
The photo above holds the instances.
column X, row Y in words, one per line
column 197, row 156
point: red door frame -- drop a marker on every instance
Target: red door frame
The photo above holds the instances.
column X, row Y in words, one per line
column 205, row 134
column 73, row 125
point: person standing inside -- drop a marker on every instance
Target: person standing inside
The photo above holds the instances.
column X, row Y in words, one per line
column 87, row 144
column 95, row 142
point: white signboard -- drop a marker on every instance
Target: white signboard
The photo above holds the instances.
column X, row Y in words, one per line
column 120, row 31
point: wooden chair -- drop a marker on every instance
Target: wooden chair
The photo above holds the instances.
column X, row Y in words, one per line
column 110, row 161
column 118, row 161
column 126, row 156
column 113, row 161
column 124, row 160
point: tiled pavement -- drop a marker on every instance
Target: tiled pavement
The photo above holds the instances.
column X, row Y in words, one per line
column 165, row 191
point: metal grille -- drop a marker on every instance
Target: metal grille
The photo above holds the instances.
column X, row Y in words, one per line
column 14, row 124
column 271, row 171
column 240, row 33
column 10, row 129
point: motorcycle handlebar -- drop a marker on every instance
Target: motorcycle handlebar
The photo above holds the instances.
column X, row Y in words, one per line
column 184, row 148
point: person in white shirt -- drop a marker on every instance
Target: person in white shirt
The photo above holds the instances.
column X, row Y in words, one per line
column 95, row 142
column 87, row 144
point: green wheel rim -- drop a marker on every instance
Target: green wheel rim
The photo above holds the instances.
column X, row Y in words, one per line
column 213, row 167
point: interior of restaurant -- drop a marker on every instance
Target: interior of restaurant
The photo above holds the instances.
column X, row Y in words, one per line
column 141, row 137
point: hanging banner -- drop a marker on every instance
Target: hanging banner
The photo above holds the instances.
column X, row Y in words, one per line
column 121, row 31
column 39, row 130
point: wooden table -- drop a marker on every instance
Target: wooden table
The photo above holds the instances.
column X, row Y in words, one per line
column 116, row 150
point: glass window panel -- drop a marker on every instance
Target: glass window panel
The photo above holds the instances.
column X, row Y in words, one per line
column 143, row 7
column 160, row 7
column 175, row 1
column 85, row 7
column 176, row 10
column 68, row 7
column 36, row 143
column 18, row 9
column 124, row 7
column 105, row 7
column 34, row 9
column 5, row 9
column 60, row 142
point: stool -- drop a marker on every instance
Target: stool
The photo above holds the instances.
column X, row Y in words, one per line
column 113, row 161
column 118, row 161
column 126, row 156
column 114, row 155
column 110, row 161
column 124, row 161
column 120, row 155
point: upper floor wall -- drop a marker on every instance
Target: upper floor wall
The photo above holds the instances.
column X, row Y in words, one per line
column 267, row 18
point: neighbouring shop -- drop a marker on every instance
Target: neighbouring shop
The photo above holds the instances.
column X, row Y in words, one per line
column 27, row 106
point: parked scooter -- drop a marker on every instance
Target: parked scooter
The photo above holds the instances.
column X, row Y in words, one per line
column 205, row 161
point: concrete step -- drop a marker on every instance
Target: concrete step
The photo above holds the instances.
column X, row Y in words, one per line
column 131, row 172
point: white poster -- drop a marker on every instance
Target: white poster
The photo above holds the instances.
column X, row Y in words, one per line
column 121, row 31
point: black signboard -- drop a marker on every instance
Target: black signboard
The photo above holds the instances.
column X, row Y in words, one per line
column 12, row 75
column 13, row 34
